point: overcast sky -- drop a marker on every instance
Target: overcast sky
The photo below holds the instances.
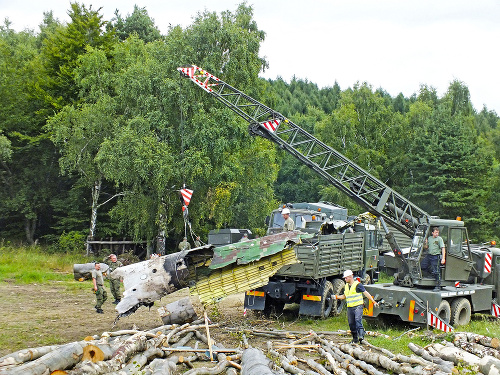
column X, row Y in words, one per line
column 394, row 44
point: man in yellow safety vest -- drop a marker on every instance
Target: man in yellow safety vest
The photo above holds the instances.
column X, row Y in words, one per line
column 353, row 293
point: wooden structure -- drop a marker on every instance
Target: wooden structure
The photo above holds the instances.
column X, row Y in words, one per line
column 118, row 246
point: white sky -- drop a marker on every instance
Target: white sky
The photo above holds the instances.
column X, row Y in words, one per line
column 394, row 44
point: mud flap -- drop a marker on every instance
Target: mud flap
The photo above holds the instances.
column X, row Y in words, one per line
column 255, row 300
column 310, row 305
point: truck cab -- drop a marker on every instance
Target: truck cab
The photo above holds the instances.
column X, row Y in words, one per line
column 307, row 217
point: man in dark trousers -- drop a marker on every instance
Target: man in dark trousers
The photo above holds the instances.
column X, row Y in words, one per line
column 435, row 246
column 114, row 282
column 100, row 294
column 353, row 293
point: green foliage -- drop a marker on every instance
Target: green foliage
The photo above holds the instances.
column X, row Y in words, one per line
column 138, row 23
column 72, row 242
column 33, row 265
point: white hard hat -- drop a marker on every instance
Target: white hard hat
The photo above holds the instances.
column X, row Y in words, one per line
column 347, row 273
column 285, row 211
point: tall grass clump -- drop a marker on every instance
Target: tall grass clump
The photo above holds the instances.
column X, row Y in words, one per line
column 32, row 264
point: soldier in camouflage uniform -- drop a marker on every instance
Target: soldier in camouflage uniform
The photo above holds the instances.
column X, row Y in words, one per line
column 197, row 242
column 114, row 282
column 184, row 245
column 100, row 294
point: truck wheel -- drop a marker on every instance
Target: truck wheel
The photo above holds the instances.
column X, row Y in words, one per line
column 444, row 311
column 327, row 300
column 460, row 311
column 338, row 304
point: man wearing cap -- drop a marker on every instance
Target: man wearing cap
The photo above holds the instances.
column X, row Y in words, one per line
column 289, row 224
column 197, row 242
column 184, row 245
column 114, row 282
column 100, row 294
column 353, row 293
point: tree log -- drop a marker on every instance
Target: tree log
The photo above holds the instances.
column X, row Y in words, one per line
column 254, row 362
column 83, row 271
column 138, row 361
column 454, row 354
column 217, row 369
column 489, row 365
column 64, row 357
column 26, row 355
column 134, row 344
column 491, row 342
column 333, row 363
column 180, row 311
column 376, row 359
column 317, row 367
column 444, row 365
column 160, row 366
column 476, row 349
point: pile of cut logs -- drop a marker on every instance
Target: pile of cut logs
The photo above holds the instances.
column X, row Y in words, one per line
column 189, row 349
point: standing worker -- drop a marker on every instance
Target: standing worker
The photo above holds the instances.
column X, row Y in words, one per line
column 197, row 242
column 114, row 281
column 289, row 224
column 184, row 245
column 435, row 244
column 100, row 294
column 354, row 292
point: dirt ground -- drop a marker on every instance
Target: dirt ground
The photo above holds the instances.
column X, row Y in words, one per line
column 37, row 315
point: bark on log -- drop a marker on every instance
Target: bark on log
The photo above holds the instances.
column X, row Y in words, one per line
column 180, row 311
column 489, row 366
column 138, row 361
column 25, row 355
column 317, row 367
column 160, row 366
column 376, row 359
column 65, row 357
column 254, row 362
column 491, row 342
column 217, row 369
column 454, row 354
column 344, row 359
column 444, row 365
column 133, row 344
column 333, row 363
column 476, row 349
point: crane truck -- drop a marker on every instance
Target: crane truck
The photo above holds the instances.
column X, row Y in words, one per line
column 470, row 276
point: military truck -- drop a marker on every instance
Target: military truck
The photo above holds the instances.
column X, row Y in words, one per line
column 317, row 276
column 391, row 209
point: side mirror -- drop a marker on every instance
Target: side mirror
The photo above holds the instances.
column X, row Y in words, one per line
column 268, row 219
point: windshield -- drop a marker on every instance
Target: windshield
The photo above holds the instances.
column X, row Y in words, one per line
column 299, row 219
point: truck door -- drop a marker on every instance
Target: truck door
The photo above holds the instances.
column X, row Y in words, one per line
column 458, row 258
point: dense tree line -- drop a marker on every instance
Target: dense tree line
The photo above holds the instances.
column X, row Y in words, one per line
column 98, row 132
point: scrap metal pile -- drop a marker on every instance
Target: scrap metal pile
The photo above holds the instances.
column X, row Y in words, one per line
column 191, row 349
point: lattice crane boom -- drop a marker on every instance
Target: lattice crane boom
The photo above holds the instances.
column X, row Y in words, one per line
column 344, row 174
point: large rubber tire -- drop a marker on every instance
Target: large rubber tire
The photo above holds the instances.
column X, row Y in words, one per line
column 338, row 304
column 460, row 311
column 327, row 300
column 444, row 311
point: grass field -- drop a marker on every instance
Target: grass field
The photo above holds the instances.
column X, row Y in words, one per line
column 42, row 304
